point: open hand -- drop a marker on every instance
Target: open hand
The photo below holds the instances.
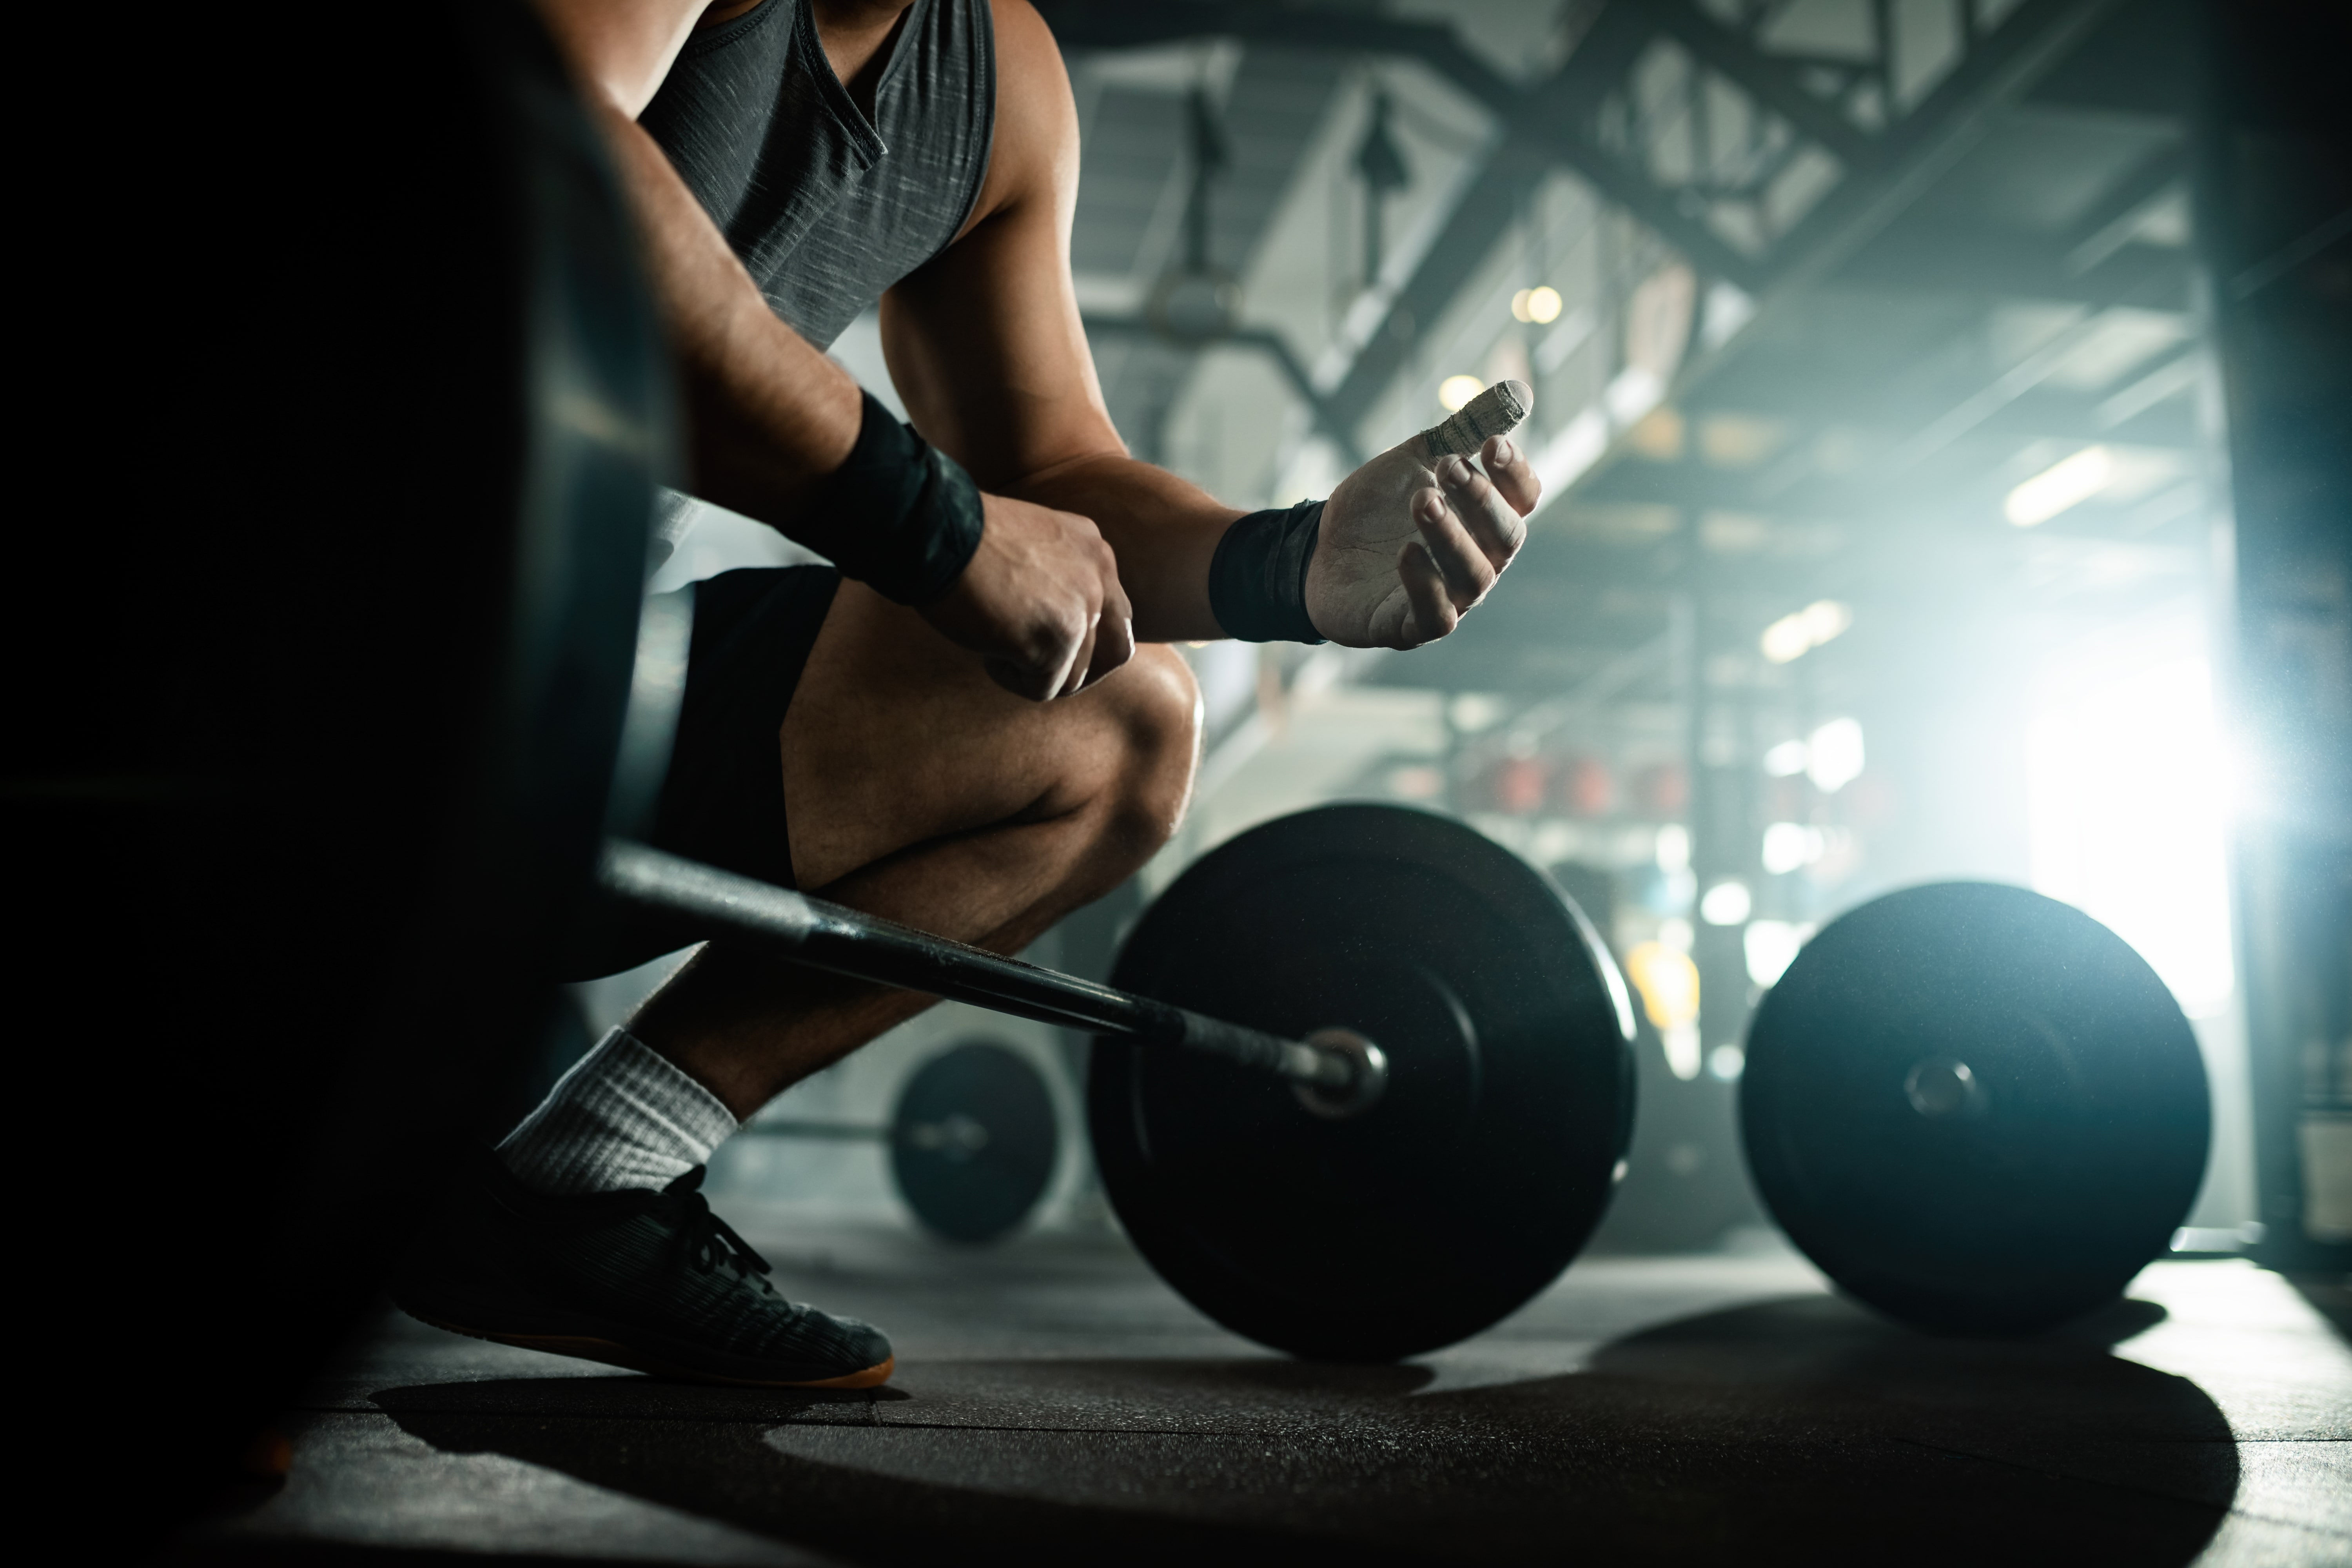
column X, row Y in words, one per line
column 1407, row 545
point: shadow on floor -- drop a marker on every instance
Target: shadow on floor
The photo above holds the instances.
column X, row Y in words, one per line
column 1800, row 1428
column 2331, row 1295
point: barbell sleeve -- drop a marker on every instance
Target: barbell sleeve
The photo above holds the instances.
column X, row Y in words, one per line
column 848, row 941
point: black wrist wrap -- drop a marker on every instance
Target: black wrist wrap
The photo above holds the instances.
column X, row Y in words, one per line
column 901, row 516
column 1257, row 579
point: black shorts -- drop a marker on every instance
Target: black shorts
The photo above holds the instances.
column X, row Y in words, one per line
column 723, row 800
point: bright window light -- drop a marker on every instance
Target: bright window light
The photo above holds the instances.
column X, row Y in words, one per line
column 1667, row 982
column 1456, row 390
column 1786, row 760
column 1785, row 639
column 1674, row 848
column 2067, row 483
column 1790, row 847
column 1833, row 756
column 1681, row 1050
column 1826, row 618
column 1472, row 711
column 1727, row 903
column 1636, row 391
column 1539, row 304
column 1769, row 947
column 2128, row 805
column 1796, row 635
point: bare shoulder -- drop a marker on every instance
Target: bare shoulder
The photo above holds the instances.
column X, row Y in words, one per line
column 1033, row 156
column 1025, row 43
column 621, row 49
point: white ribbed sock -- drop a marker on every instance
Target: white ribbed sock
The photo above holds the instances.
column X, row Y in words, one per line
column 625, row 1116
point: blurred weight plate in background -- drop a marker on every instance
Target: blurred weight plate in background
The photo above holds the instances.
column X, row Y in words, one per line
column 971, row 1143
column 1975, row 1107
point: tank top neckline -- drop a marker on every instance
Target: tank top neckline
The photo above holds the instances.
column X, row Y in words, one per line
column 835, row 92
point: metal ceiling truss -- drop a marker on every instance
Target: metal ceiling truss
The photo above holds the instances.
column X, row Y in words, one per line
column 1276, row 348
column 1836, row 105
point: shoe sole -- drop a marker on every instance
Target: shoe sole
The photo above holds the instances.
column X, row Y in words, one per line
column 612, row 1352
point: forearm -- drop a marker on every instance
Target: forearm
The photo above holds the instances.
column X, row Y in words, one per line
column 768, row 417
column 1163, row 529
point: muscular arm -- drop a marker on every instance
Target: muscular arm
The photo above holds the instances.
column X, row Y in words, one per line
column 986, row 347
column 768, row 415
column 768, row 418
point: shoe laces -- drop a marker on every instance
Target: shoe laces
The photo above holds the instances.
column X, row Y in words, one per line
column 707, row 1240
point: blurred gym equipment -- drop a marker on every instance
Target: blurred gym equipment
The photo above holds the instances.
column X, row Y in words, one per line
column 1976, row 1107
column 971, row 1141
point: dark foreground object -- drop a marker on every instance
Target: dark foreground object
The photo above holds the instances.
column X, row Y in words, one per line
column 1469, row 1186
column 1055, row 1402
column 1976, row 1107
column 300, row 799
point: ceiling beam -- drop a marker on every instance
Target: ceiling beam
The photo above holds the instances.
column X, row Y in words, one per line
column 1916, row 150
column 1259, row 339
column 1553, row 120
column 1542, row 126
column 1967, row 258
column 1769, row 80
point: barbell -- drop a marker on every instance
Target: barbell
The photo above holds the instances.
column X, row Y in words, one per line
column 1362, row 1082
column 1361, row 1087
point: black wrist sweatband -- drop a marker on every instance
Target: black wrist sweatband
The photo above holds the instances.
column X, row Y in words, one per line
column 1257, row 579
column 899, row 515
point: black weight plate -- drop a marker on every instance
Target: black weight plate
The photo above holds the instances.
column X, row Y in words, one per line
column 971, row 1143
column 2018, row 1203
column 347, row 694
column 1469, row 1185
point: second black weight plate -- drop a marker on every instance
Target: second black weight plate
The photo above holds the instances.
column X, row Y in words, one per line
column 1479, row 1173
column 971, row 1143
column 1975, row 1107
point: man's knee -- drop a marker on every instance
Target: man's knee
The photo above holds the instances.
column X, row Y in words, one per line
column 1159, row 711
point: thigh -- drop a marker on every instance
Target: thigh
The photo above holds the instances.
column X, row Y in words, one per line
column 896, row 737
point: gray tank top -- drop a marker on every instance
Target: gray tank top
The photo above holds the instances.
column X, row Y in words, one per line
column 825, row 209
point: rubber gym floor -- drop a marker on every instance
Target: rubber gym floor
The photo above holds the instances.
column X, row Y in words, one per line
column 1055, row 1400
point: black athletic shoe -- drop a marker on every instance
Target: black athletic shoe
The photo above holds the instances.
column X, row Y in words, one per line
column 649, row 1281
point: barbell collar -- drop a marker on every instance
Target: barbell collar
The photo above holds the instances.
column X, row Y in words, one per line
column 848, row 941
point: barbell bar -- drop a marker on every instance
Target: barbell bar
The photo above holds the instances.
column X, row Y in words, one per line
column 1301, row 1184
column 971, row 1139
column 1975, row 1109
column 1335, row 1072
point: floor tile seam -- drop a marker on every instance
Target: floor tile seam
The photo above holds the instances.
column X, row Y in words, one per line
column 877, row 1420
column 375, row 1409
column 781, row 1422
column 635, row 1416
column 1055, row 1431
column 2333, row 1532
column 2233, row 1439
column 2123, row 1487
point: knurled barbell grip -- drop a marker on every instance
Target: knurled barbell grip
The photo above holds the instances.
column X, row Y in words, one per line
column 1294, row 1059
column 866, row 947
